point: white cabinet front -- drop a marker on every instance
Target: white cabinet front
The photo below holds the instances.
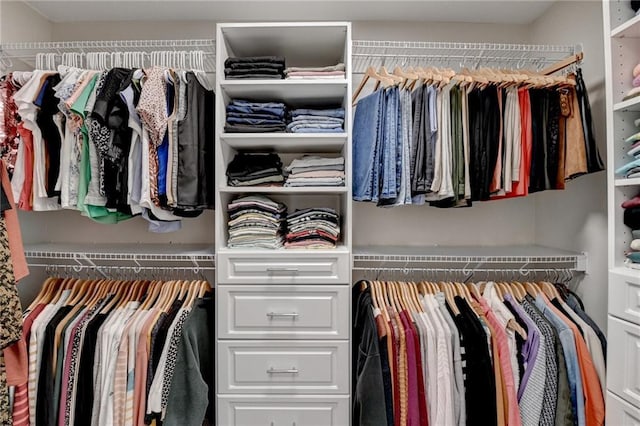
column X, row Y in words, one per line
column 621, row 413
column 624, row 296
column 283, row 268
column 283, row 312
column 624, row 355
column 289, row 410
column 283, row 367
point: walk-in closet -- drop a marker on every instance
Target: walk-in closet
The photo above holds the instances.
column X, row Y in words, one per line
column 244, row 213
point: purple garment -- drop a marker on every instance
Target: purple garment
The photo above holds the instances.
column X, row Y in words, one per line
column 413, row 417
column 530, row 346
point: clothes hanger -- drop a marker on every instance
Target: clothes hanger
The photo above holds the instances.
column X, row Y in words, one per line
column 205, row 288
column 408, row 76
column 413, row 289
column 381, row 302
column 371, row 73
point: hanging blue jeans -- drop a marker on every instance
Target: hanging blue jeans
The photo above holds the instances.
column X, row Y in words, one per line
column 390, row 145
column 367, row 135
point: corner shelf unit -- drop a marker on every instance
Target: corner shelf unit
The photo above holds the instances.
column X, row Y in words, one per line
column 622, row 47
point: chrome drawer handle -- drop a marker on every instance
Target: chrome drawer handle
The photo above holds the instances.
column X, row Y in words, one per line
column 290, row 270
column 289, row 371
column 273, row 315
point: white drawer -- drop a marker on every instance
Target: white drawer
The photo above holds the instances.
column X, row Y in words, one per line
column 283, row 267
column 283, row 367
column 289, row 410
column 624, row 296
column 623, row 374
column 621, row 413
column 283, row 312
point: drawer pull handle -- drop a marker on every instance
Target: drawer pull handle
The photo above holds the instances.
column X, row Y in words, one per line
column 283, row 270
column 292, row 315
column 289, row 371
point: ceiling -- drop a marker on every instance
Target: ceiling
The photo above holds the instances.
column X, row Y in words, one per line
column 502, row 11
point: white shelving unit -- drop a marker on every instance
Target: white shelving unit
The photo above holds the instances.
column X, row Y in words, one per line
column 283, row 316
column 622, row 54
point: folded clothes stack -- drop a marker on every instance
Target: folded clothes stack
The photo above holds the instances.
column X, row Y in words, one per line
column 256, row 222
column 307, row 120
column 313, row 228
column 255, row 117
column 632, row 168
column 257, row 67
column 303, row 73
column 252, row 169
column 312, row 170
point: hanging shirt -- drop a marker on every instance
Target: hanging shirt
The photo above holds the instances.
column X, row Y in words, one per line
column 571, row 358
column 28, row 111
column 504, row 356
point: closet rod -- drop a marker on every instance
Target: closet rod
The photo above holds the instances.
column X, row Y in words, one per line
column 573, row 59
column 27, row 51
column 102, row 45
column 368, row 53
column 437, row 45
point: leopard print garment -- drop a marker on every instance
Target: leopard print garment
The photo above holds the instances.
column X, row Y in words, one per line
column 10, row 318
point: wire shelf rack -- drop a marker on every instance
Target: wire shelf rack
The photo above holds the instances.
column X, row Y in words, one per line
column 468, row 259
column 375, row 53
column 27, row 51
column 112, row 257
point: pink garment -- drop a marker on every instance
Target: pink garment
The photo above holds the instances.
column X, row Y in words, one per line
column 20, row 268
column 634, row 202
column 505, row 364
column 636, row 81
column 496, row 182
column 24, row 203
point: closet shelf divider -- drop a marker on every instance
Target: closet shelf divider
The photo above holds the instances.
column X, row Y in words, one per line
column 629, row 29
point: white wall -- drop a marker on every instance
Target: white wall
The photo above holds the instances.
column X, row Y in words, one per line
column 576, row 219
column 22, row 23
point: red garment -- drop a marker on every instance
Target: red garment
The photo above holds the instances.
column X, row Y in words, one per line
column 521, row 187
column 24, row 203
column 21, row 398
column 423, row 419
column 393, row 357
column 20, row 268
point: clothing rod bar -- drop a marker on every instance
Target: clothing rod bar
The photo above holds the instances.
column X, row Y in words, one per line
column 121, row 267
column 430, row 45
column 108, row 44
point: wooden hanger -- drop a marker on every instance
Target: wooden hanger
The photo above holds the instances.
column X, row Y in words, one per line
column 382, row 304
column 448, row 290
column 371, row 73
column 205, row 288
column 406, row 76
column 416, row 299
column 474, row 290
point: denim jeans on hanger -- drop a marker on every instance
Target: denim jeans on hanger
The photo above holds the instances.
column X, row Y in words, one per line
column 389, row 145
column 367, row 126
